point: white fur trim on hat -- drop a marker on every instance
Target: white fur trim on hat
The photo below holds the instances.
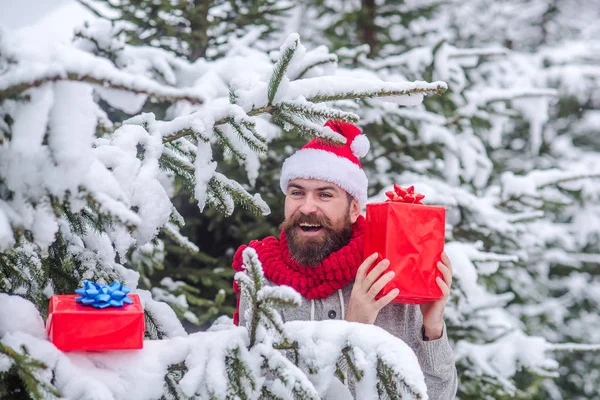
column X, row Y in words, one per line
column 325, row 166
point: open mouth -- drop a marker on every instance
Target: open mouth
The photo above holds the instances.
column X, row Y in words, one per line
column 309, row 227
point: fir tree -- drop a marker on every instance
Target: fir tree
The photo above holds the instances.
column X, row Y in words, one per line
column 476, row 150
column 84, row 197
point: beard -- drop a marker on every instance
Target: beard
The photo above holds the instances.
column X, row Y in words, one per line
column 310, row 251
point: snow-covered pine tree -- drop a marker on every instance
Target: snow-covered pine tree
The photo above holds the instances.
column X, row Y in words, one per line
column 484, row 150
column 192, row 279
column 80, row 195
column 191, row 29
column 270, row 360
column 562, row 307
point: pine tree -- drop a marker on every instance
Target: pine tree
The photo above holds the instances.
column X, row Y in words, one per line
column 270, row 360
column 191, row 29
column 84, row 197
column 192, row 278
column 475, row 150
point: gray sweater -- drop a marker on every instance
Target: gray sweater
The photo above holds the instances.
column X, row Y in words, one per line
column 401, row 320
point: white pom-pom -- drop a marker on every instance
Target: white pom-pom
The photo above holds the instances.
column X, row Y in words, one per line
column 360, row 146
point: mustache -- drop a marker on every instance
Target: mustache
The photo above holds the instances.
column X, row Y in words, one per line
column 313, row 219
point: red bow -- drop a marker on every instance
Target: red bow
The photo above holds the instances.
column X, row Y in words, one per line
column 405, row 195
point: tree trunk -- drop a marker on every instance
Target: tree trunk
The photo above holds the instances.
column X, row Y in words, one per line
column 199, row 26
column 367, row 25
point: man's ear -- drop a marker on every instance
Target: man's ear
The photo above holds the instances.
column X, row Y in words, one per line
column 354, row 210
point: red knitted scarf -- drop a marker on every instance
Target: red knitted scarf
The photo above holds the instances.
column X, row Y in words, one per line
column 318, row 282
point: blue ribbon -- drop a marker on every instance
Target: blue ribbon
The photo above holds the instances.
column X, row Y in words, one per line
column 102, row 296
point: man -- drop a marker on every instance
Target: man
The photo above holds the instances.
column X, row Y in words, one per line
column 320, row 254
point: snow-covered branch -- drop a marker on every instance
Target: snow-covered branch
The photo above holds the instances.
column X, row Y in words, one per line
column 138, row 86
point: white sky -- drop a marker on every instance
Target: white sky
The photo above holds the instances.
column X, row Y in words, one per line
column 55, row 18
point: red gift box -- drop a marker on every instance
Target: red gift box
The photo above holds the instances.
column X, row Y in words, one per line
column 411, row 236
column 72, row 326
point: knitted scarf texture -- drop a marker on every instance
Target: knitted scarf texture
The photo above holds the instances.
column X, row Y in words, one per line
column 318, row 282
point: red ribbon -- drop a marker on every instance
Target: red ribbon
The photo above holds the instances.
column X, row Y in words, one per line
column 402, row 195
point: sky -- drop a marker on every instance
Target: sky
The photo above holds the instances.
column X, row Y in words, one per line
column 52, row 18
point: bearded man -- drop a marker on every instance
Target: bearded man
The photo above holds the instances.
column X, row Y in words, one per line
column 320, row 254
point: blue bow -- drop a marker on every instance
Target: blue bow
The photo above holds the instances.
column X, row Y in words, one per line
column 102, row 296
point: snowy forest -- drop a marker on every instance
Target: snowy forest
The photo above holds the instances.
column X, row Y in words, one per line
column 145, row 146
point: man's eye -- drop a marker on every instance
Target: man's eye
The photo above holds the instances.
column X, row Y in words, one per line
column 296, row 193
column 326, row 195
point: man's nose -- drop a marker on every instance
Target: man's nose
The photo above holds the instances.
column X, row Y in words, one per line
column 308, row 206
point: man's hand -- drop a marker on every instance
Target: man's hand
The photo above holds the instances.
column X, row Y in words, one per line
column 433, row 312
column 362, row 306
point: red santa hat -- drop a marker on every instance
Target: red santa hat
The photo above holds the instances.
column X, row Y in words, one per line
column 335, row 163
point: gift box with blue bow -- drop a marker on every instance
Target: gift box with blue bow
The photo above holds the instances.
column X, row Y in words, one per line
column 99, row 317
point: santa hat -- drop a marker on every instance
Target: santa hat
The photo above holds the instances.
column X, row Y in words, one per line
column 335, row 163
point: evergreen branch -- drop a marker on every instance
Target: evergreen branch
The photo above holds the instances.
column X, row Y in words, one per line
column 253, row 270
column 176, row 218
column 508, row 95
column 181, row 133
column 286, row 345
column 284, row 370
column 176, row 164
column 237, row 370
column 317, row 111
column 279, row 71
column 174, row 374
column 232, row 96
column 25, row 367
column 103, row 82
column 357, row 372
column 280, row 303
column 102, row 216
column 250, row 140
column 226, row 144
column 171, row 231
column 330, row 59
column 266, row 394
column 94, row 11
column 570, row 178
column 361, row 94
column 310, row 130
column 187, row 131
column 221, row 185
column 152, row 331
column 252, row 128
column 572, row 347
column 272, row 317
column 550, row 183
column 388, row 380
column 481, row 52
column 218, row 197
column 339, row 373
column 386, row 387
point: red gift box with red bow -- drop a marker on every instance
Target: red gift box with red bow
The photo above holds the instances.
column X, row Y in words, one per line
column 410, row 235
column 75, row 327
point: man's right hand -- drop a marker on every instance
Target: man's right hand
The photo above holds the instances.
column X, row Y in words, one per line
column 362, row 306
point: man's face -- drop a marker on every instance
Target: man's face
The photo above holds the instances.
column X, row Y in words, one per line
column 318, row 219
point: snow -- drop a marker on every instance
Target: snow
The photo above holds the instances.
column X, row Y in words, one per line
column 320, row 343
column 138, row 374
column 29, row 322
column 517, row 176
column 163, row 316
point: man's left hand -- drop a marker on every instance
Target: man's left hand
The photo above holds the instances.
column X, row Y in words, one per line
column 433, row 312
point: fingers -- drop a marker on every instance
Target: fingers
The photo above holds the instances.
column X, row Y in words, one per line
column 387, row 299
column 446, row 260
column 446, row 273
column 445, row 288
column 380, row 283
column 364, row 267
column 374, row 274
